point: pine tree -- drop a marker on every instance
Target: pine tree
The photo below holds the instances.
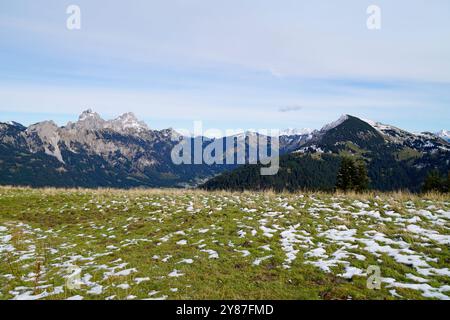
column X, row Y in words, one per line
column 362, row 182
column 433, row 182
column 352, row 175
column 344, row 180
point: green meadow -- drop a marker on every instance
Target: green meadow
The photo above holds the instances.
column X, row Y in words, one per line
column 188, row 244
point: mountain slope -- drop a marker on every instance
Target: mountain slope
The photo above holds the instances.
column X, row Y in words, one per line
column 396, row 159
column 297, row 172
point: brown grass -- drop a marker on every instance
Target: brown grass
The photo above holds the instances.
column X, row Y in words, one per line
column 401, row 195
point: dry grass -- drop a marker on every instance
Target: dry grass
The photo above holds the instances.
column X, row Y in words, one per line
column 400, row 195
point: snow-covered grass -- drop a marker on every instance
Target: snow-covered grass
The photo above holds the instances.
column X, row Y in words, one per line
column 178, row 244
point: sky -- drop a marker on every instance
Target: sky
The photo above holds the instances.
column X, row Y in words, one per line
column 230, row 64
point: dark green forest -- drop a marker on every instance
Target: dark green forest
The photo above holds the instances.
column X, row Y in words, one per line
column 319, row 172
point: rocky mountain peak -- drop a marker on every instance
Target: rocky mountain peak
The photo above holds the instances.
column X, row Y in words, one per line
column 90, row 120
column 88, row 114
column 127, row 122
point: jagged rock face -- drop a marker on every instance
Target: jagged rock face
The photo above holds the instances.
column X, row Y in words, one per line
column 122, row 152
column 89, row 120
column 126, row 123
column 44, row 135
column 95, row 136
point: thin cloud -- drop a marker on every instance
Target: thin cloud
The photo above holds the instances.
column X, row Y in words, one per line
column 290, row 109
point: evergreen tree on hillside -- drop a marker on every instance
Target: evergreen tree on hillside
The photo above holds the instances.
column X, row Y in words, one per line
column 344, row 180
column 363, row 178
column 352, row 175
column 433, row 182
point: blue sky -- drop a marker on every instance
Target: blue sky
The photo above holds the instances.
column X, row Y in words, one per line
column 232, row 64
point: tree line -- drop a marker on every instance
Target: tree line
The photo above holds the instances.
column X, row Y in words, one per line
column 327, row 173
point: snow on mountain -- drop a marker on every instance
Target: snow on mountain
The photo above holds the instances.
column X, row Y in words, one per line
column 334, row 124
column 423, row 141
column 392, row 133
column 395, row 133
column 88, row 120
column 387, row 129
column 88, row 114
column 15, row 124
column 290, row 132
column 444, row 134
column 127, row 122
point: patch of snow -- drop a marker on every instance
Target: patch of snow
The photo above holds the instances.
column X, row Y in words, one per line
column 212, row 254
column 258, row 261
column 175, row 273
column 334, row 124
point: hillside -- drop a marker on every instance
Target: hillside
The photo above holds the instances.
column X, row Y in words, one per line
column 396, row 159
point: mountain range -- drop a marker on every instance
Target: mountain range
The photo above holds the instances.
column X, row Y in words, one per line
column 396, row 159
column 125, row 153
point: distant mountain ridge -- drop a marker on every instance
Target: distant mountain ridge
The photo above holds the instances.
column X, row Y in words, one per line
column 124, row 152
